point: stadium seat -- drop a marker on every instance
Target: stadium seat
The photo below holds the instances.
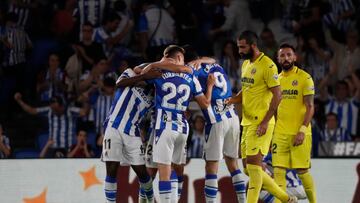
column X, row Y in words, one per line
column 26, row 154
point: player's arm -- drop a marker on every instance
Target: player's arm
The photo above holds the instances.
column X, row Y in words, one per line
column 275, row 101
column 309, row 104
column 197, row 63
column 135, row 80
column 29, row 109
column 205, row 100
column 237, row 99
column 168, row 66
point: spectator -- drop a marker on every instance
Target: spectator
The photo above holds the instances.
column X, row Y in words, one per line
column 125, row 14
column 155, row 29
column 345, row 54
column 103, row 35
column 61, row 119
column 94, row 77
column 87, row 49
column 81, row 149
column 63, row 21
column 230, row 61
column 195, row 150
column 49, row 152
column 5, row 149
column 339, row 18
column 23, row 9
column 332, row 131
column 268, row 43
column 92, row 11
column 53, row 81
column 346, row 107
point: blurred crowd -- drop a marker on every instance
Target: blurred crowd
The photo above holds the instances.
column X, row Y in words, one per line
column 59, row 61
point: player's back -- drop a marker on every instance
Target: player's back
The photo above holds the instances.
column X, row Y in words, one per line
column 129, row 105
column 217, row 111
column 172, row 96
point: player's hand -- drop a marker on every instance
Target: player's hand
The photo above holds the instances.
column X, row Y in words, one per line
column 211, row 80
column 153, row 73
column 229, row 101
column 299, row 138
column 262, row 129
column 195, row 63
column 50, row 142
column 17, row 96
column 167, row 60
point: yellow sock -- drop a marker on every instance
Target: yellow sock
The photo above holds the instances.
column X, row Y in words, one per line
column 255, row 183
column 279, row 177
column 309, row 186
column 270, row 185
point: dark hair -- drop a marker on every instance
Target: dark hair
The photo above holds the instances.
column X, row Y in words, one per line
column 331, row 114
column 171, row 50
column 111, row 17
column 120, row 5
column 342, row 82
column 286, row 45
column 266, row 29
column 88, row 23
column 190, row 53
column 249, row 36
column 57, row 99
column 12, row 17
column 109, row 82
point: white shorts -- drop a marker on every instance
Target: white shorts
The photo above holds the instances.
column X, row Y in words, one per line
column 169, row 147
column 119, row 147
column 221, row 139
column 149, row 162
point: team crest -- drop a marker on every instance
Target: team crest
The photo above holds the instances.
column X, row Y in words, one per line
column 295, row 83
column 253, row 71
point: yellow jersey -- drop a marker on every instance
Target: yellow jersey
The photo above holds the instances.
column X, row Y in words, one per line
column 257, row 78
column 295, row 84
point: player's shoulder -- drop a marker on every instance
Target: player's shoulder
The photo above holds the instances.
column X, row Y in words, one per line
column 303, row 74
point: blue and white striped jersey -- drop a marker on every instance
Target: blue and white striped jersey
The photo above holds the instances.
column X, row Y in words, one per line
column 217, row 111
column 91, row 10
column 129, row 106
column 100, row 106
column 62, row 128
column 172, row 95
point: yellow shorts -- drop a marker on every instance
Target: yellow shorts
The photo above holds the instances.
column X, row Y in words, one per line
column 251, row 143
column 285, row 154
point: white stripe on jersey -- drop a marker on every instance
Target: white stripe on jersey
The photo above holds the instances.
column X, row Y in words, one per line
column 158, row 118
column 119, row 104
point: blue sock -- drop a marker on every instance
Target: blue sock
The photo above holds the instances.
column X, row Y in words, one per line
column 180, row 185
column 165, row 191
column 146, row 185
column 211, row 188
column 239, row 185
column 110, row 189
column 174, row 186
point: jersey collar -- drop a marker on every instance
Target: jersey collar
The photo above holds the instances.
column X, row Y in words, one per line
column 294, row 70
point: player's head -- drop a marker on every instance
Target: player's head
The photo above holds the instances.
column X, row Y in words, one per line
column 190, row 54
column 247, row 43
column 331, row 121
column 341, row 90
column 175, row 52
column 286, row 56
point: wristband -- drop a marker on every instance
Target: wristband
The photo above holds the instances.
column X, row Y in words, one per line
column 303, row 129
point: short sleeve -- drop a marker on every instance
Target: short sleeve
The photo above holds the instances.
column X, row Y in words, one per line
column 128, row 73
column 309, row 88
column 197, row 90
column 43, row 111
column 271, row 75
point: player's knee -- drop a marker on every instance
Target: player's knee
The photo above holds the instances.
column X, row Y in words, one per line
column 211, row 167
column 231, row 163
column 111, row 168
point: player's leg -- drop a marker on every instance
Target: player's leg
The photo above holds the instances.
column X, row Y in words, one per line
column 231, row 148
column 163, row 149
column 134, row 152
column 111, row 155
column 242, row 150
column 300, row 159
column 151, row 166
column 213, row 152
column 280, row 159
column 178, row 163
column 256, row 148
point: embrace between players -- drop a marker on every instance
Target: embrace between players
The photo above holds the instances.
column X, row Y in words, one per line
column 164, row 90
